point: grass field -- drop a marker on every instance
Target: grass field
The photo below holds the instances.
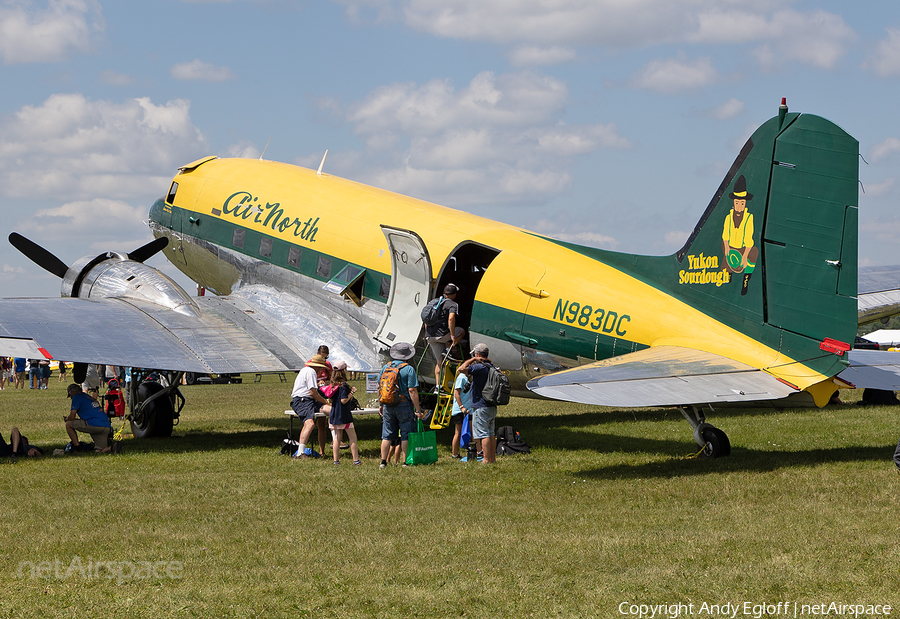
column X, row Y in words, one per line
column 606, row 510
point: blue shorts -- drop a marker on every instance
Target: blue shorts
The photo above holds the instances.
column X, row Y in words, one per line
column 397, row 419
column 305, row 408
column 483, row 422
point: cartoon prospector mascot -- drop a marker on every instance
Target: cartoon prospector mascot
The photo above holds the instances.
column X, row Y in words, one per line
column 737, row 237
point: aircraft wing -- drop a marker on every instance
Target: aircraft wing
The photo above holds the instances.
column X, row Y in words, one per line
column 879, row 293
column 256, row 330
column 661, row 376
column 873, row 369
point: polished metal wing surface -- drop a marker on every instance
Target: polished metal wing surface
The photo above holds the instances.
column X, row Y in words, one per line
column 661, row 376
column 255, row 330
column 873, row 369
column 879, row 293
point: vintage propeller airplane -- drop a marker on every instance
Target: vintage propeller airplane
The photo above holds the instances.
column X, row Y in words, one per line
column 759, row 304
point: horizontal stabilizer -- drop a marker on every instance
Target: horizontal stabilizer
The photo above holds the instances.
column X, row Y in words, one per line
column 20, row 347
column 879, row 293
column 873, row 369
column 661, row 376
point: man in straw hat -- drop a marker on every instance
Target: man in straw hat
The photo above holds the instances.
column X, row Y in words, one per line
column 399, row 417
column 306, row 401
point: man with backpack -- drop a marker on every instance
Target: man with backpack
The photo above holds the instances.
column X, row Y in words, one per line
column 484, row 414
column 443, row 330
column 399, row 400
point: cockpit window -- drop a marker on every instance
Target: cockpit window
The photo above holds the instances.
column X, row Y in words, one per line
column 170, row 199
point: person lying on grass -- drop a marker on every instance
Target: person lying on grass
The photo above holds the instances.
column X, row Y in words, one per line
column 19, row 446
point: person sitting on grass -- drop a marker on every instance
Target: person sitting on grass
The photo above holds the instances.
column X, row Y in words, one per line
column 92, row 420
column 306, row 401
column 19, row 446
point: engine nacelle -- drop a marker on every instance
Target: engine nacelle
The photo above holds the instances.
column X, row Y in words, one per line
column 115, row 275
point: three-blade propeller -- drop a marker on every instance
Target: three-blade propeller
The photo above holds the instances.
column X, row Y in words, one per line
column 51, row 263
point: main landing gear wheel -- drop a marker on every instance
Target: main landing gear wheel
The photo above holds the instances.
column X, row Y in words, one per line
column 155, row 417
column 717, row 443
column 714, row 442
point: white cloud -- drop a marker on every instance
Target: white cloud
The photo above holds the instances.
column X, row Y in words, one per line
column 498, row 139
column 886, row 60
column 115, row 79
column 97, row 217
column 202, row 71
column 879, row 190
column 567, row 22
column 884, row 149
column 818, row 39
column 674, row 75
column 530, row 56
column 676, row 238
column 71, row 148
column 49, row 35
column 815, row 37
column 563, row 231
column 727, row 110
column 243, row 150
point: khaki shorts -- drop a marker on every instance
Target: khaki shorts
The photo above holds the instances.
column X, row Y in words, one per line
column 439, row 344
column 99, row 435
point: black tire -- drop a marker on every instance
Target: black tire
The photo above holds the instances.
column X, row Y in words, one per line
column 156, row 419
column 190, row 378
column 717, row 443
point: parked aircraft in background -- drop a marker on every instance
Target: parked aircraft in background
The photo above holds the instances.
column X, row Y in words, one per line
column 759, row 304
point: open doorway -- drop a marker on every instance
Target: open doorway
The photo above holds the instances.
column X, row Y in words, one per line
column 465, row 267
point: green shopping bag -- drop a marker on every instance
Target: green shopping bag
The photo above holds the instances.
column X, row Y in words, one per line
column 422, row 447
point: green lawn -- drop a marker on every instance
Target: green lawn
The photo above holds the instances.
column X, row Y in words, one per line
column 607, row 509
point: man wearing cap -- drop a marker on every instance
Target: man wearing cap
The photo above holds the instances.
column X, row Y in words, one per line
column 91, row 419
column 483, row 416
column 444, row 330
column 306, row 402
column 399, row 418
column 737, row 236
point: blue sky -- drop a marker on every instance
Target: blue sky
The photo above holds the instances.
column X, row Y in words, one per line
column 605, row 123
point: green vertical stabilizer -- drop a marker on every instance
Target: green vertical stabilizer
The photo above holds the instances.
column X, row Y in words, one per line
column 774, row 254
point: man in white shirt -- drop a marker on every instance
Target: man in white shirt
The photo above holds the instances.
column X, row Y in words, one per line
column 306, row 402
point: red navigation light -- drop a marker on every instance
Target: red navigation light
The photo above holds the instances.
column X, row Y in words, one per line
column 836, row 346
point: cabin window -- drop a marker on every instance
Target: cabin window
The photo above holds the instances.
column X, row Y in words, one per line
column 294, row 254
column 265, row 247
column 348, row 283
column 170, row 199
column 237, row 238
column 324, row 268
column 385, row 289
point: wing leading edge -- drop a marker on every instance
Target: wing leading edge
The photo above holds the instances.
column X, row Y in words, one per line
column 661, row 376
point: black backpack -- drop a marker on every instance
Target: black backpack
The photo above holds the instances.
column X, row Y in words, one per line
column 431, row 313
column 496, row 387
column 510, row 442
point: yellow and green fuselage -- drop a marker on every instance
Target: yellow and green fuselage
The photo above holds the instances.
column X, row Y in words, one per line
column 555, row 300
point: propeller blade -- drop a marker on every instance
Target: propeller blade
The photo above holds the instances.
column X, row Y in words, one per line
column 38, row 255
column 149, row 250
